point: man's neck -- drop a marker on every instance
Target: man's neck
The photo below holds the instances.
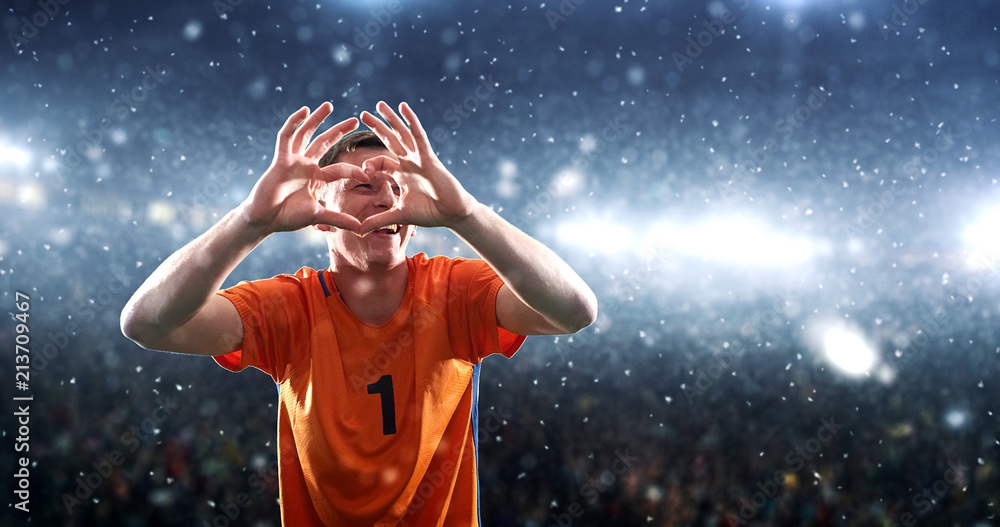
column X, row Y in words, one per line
column 374, row 293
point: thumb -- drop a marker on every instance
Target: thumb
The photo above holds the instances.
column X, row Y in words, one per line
column 377, row 221
column 337, row 219
column 380, row 164
column 331, row 173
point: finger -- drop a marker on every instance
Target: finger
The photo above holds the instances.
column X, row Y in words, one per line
column 337, row 171
column 417, row 129
column 380, row 164
column 288, row 130
column 397, row 124
column 377, row 221
column 384, row 133
column 305, row 131
column 324, row 141
column 308, row 127
column 337, row 219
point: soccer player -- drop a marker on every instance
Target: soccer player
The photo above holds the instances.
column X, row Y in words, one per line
column 377, row 358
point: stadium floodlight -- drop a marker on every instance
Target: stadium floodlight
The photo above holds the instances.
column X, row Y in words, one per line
column 739, row 240
column 13, row 155
column 31, row 195
column 596, row 235
column 735, row 241
column 983, row 239
column 848, row 351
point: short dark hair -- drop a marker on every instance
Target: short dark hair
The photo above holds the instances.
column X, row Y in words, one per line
column 350, row 143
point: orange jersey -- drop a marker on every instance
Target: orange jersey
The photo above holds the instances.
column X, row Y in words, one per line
column 377, row 425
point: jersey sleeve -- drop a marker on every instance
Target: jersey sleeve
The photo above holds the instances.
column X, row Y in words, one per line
column 488, row 337
column 275, row 320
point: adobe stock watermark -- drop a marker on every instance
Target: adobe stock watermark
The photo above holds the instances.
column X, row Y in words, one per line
column 262, row 142
column 456, row 115
column 774, row 314
column 796, row 460
column 722, row 362
column 752, row 161
column 934, row 326
column 565, row 9
column 592, row 489
column 486, row 428
column 32, row 25
column 902, row 11
column 544, row 198
column 84, row 314
column 434, row 480
column 912, row 170
column 925, row 500
column 224, row 7
column 615, row 129
column 253, row 146
column 117, row 110
column 259, row 481
column 388, row 352
column 86, row 484
column 697, row 44
column 209, row 193
column 977, row 282
column 909, row 348
column 705, row 378
column 656, row 260
column 435, row 313
column 429, row 486
column 365, row 34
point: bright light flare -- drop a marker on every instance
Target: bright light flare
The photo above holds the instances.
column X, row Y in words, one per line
column 848, row 351
column 983, row 239
column 567, row 182
column 957, row 418
column 736, row 240
column 161, row 212
column 602, row 236
column 12, row 155
column 31, row 195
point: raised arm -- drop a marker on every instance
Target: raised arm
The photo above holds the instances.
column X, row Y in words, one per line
column 176, row 308
column 542, row 295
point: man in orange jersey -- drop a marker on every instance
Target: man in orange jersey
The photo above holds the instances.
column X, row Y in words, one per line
column 377, row 358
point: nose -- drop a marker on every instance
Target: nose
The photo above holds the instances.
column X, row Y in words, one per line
column 385, row 192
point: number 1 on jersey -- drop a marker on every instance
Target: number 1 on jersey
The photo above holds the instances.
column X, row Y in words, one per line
column 383, row 387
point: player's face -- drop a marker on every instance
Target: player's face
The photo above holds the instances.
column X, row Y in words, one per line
column 361, row 200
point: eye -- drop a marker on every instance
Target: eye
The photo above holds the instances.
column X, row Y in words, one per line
column 363, row 185
column 396, row 189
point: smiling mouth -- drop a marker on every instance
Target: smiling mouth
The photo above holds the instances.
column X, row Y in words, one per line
column 389, row 229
